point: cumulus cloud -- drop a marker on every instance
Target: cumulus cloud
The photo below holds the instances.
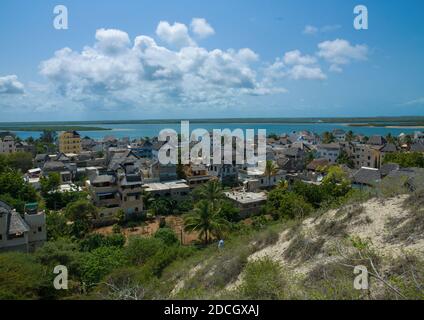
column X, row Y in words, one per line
column 176, row 34
column 294, row 65
column 10, row 85
column 295, row 57
column 201, row 28
column 305, row 72
column 146, row 72
column 340, row 52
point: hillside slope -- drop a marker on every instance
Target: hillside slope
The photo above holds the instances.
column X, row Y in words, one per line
column 316, row 257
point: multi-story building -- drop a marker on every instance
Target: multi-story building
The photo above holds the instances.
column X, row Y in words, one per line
column 197, row 174
column 329, row 151
column 19, row 233
column 70, row 142
column 249, row 203
column 339, row 134
column 365, row 155
column 7, row 144
column 122, row 190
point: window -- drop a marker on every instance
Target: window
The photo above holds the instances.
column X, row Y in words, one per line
column 40, row 229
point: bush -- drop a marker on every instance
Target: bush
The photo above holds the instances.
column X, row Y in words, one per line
column 167, row 235
column 116, row 229
column 21, row 277
column 139, row 250
column 263, row 280
column 96, row 240
column 101, row 262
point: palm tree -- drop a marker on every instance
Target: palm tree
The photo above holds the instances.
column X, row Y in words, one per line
column 147, row 198
column 327, row 137
column 211, row 191
column 350, row 136
column 283, row 185
column 271, row 170
column 207, row 220
column 158, row 206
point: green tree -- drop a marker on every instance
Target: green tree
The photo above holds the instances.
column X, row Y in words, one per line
column 50, row 183
column 21, row 277
column 271, row 170
column 139, row 250
column 120, row 216
column 345, row 159
column 57, row 225
column 100, row 262
column 292, row 206
column 48, row 136
column 158, row 207
column 15, row 191
column 207, row 220
column 350, row 136
column 21, row 161
column 167, row 235
column 405, row 159
column 211, row 191
column 81, row 213
column 328, row 137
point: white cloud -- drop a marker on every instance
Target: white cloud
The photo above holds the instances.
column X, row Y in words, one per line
column 340, row 52
column 175, row 35
column 416, row 102
column 112, row 41
column 310, row 30
column 10, row 85
column 295, row 57
column 305, row 72
column 201, row 28
column 294, row 65
column 113, row 70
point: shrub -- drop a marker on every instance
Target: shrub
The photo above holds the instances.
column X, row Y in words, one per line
column 116, row 229
column 167, row 235
column 94, row 241
column 139, row 250
column 101, row 262
column 21, row 277
column 263, row 280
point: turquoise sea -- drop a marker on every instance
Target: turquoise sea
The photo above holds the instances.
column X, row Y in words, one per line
column 137, row 130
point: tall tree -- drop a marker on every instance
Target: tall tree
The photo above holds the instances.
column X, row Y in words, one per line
column 350, row 136
column 207, row 220
column 211, row 192
column 81, row 213
column 271, row 170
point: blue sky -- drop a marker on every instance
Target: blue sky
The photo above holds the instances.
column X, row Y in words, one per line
column 129, row 60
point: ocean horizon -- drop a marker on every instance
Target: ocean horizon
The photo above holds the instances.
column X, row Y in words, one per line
column 150, row 128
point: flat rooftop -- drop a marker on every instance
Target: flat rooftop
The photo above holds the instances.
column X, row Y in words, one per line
column 246, row 197
column 169, row 185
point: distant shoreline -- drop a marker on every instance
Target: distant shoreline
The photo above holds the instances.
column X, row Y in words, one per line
column 53, row 128
column 407, row 121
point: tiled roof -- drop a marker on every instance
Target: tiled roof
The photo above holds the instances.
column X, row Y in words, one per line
column 317, row 163
column 389, row 147
column 17, row 225
column 417, row 147
column 367, row 176
column 377, row 140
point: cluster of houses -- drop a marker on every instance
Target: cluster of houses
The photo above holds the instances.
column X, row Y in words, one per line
column 117, row 172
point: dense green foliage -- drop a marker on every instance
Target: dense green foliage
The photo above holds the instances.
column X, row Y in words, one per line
column 412, row 159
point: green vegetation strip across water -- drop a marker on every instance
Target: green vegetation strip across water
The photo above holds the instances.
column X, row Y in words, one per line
column 54, row 128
